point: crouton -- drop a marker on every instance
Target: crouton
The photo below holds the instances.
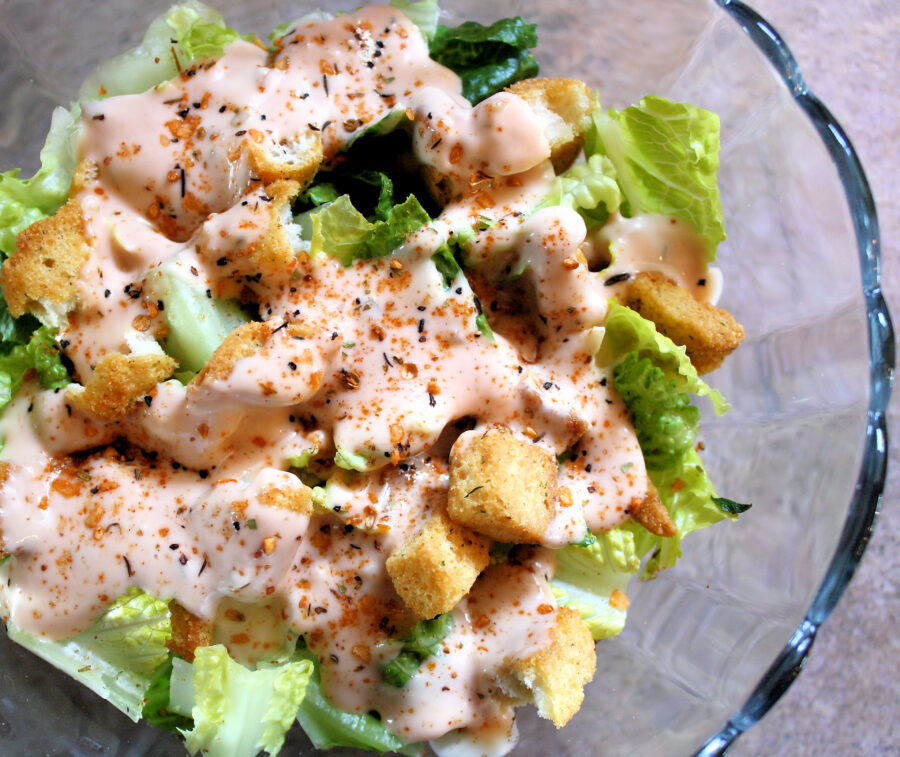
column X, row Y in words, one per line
column 564, row 107
column 652, row 514
column 297, row 499
column 244, row 341
column 188, row 632
column 120, row 382
column 41, row 276
column 554, row 677
column 297, row 159
column 708, row 333
column 275, row 253
column 501, row 486
column 434, row 569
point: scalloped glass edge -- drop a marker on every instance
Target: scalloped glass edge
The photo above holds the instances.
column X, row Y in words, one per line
column 870, row 482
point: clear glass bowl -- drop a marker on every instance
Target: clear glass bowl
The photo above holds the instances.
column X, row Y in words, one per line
column 711, row 645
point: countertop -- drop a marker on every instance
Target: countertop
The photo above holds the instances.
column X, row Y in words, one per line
column 845, row 701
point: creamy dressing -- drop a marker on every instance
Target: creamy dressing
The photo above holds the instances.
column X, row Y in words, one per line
column 387, row 366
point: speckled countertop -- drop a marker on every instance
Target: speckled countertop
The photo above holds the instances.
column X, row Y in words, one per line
column 846, row 700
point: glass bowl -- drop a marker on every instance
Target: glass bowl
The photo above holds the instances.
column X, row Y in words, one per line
column 712, row 644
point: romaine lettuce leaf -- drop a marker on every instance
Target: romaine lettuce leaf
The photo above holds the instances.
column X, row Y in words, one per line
column 115, row 657
column 327, row 726
column 24, row 201
column 653, row 379
column 590, row 188
column 587, row 576
column 156, row 702
column 423, row 641
column 341, row 231
column 666, row 156
column 197, row 323
column 423, row 13
column 40, row 355
column 186, row 32
column 236, row 711
column 627, row 331
column 487, row 58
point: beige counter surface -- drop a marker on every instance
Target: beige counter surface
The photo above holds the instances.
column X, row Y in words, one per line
column 846, row 700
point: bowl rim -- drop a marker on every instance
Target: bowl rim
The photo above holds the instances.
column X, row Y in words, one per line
column 866, row 499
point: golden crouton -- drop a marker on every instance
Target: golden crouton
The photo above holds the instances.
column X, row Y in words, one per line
column 275, row 253
column 244, row 341
column 188, row 632
column 708, row 333
column 564, row 107
column 434, row 569
column 297, row 159
column 501, row 486
column 43, row 271
column 120, row 382
column 554, row 678
column 652, row 514
column 298, row 499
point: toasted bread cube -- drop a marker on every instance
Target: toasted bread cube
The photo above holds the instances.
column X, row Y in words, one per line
column 244, row 341
column 297, row 159
column 652, row 514
column 41, row 276
column 434, row 569
column 188, row 632
column 297, row 499
column 554, row 677
column 709, row 334
column 120, row 382
column 501, row 486
column 564, row 107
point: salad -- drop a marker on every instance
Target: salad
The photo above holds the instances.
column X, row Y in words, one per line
column 345, row 379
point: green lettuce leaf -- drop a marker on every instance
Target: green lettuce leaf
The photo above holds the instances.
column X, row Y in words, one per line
column 487, row 58
column 666, row 157
column 327, row 726
column 39, row 355
column 116, row 657
column 590, row 188
column 24, row 201
column 187, row 32
column 654, row 378
column 665, row 421
column 627, row 331
column 689, row 496
column 340, row 230
column 197, row 323
column 423, row 13
column 236, row 712
column 586, row 577
column 156, row 702
column 423, row 641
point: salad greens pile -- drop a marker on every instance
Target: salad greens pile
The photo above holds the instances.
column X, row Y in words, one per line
column 658, row 156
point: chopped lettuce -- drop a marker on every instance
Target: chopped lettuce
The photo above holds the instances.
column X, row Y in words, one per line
column 423, row 641
column 587, row 576
column 653, row 379
column 590, row 188
column 423, row 13
column 186, row 32
column 341, row 231
column 197, row 323
column 665, row 421
column 487, row 58
column 24, row 201
column 666, row 156
column 156, row 702
column 39, row 355
column 117, row 655
column 327, row 726
column 627, row 331
column 236, row 711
